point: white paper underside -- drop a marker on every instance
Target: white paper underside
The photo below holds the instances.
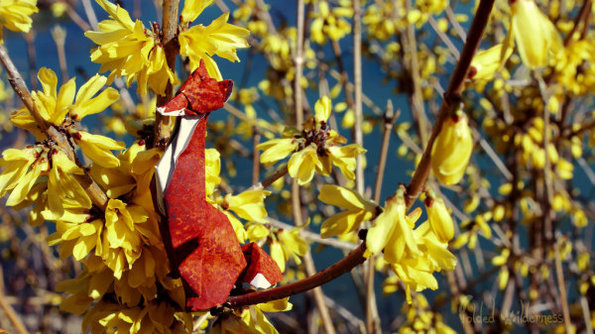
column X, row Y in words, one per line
column 166, row 166
column 260, row 282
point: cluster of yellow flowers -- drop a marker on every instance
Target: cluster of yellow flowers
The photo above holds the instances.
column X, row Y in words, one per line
column 130, row 50
column 315, row 148
column 15, row 15
column 412, row 253
column 331, row 22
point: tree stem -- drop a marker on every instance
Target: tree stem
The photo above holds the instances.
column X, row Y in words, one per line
column 163, row 123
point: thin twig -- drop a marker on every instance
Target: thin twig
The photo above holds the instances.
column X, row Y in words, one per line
column 274, row 177
column 357, row 82
column 74, row 16
column 315, row 237
column 255, row 155
column 59, row 36
column 416, row 98
column 562, row 287
column 372, row 319
column 389, row 118
column 12, row 315
column 583, row 15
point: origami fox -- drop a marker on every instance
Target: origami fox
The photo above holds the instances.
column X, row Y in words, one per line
column 199, row 239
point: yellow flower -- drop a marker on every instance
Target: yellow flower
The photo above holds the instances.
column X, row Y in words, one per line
column 344, row 158
column 302, row 164
column 249, row 205
column 128, row 49
column 22, row 168
column 452, row 149
column 439, row 218
column 77, row 238
column 126, row 229
column 256, row 232
column 331, row 23
column 212, row 169
column 15, row 15
column 416, row 271
column 318, row 148
column 256, row 320
column 433, row 249
column 98, row 148
column 193, row 8
column 288, row 245
column 535, row 35
column 54, row 105
column 358, row 210
column 250, row 319
column 64, row 191
column 276, row 149
column 218, row 38
column 487, row 62
column 392, row 232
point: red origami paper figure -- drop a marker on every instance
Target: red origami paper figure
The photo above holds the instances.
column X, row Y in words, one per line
column 199, row 239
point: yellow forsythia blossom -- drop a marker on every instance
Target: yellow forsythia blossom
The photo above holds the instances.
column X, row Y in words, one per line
column 250, row 319
column 248, row 205
column 413, row 254
column 288, row 245
column 331, row 22
column 21, row 170
column 439, row 218
column 358, row 210
column 535, row 35
column 452, row 149
column 54, row 104
column 392, row 232
column 128, row 49
column 218, row 38
column 318, row 148
column 15, row 15
column 57, row 105
column 487, row 62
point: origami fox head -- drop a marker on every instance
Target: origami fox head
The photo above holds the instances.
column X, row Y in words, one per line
column 200, row 94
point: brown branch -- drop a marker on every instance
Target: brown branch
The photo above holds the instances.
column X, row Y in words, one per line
column 389, row 118
column 451, row 96
column 343, row 266
column 583, row 15
column 96, row 194
column 271, row 179
column 357, row 82
column 170, row 26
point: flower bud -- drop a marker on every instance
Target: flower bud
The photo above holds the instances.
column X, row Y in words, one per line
column 452, row 150
column 440, row 220
column 534, row 33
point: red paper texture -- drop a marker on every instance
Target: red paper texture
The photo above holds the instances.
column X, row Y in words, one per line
column 199, row 239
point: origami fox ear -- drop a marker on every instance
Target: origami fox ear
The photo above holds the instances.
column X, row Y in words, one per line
column 200, row 94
